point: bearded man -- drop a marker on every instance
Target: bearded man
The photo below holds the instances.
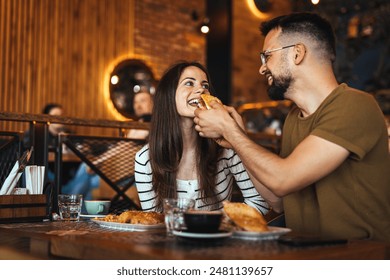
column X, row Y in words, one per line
column 332, row 174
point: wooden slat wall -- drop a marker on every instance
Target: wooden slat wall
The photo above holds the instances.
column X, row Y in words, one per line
column 58, row 51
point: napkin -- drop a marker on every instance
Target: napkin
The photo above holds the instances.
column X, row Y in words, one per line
column 12, row 180
column 14, row 176
column 35, row 176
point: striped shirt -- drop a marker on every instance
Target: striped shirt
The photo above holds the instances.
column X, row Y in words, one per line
column 230, row 169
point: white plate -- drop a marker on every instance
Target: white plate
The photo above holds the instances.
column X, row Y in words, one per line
column 128, row 227
column 272, row 234
column 202, row 235
column 92, row 216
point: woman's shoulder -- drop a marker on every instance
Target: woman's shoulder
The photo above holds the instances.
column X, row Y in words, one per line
column 228, row 154
column 143, row 153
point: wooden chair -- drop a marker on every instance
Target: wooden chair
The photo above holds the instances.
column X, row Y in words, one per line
column 111, row 158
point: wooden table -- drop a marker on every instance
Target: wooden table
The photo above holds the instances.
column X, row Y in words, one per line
column 87, row 240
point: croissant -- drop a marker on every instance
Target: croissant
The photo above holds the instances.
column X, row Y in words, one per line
column 245, row 217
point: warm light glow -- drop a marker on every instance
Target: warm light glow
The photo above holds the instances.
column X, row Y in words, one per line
column 255, row 11
column 315, row 2
column 106, row 85
column 204, row 29
column 136, row 88
column 114, row 80
column 106, row 88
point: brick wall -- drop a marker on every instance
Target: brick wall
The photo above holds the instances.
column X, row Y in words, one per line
column 248, row 85
column 165, row 32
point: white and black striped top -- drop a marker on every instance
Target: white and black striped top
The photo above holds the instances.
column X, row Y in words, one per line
column 230, row 167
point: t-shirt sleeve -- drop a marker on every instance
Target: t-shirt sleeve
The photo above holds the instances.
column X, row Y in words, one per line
column 353, row 122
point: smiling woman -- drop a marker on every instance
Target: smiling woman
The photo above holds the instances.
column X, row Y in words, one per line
column 177, row 162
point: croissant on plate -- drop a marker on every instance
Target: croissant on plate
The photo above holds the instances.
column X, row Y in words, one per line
column 136, row 217
column 245, row 217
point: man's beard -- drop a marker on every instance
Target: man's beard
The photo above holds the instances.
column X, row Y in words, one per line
column 279, row 86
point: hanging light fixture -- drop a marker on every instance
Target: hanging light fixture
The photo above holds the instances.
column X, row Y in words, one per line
column 204, row 27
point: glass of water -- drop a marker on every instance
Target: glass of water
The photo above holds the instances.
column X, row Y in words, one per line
column 173, row 211
column 69, row 206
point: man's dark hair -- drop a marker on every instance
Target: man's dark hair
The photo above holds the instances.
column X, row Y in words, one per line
column 49, row 107
column 307, row 24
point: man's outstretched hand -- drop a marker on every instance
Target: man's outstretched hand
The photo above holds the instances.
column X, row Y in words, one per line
column 216, row 122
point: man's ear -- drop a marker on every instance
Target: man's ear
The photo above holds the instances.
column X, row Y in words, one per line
column 299, row 53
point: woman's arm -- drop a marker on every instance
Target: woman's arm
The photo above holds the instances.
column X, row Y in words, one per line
column 143, row 180
column 243, row 180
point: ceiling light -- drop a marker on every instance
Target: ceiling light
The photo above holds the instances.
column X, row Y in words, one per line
column 204, row 27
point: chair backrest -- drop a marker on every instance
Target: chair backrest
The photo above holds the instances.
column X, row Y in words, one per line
column 10, row 151
column 112, row 158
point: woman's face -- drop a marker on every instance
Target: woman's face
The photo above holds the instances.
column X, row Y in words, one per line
column 143, row 104
column 55, row 128
column 192, row 83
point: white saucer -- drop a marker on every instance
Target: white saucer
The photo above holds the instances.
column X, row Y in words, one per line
column 272, row 234
column 91, row 216
column 197, row 235
column 127, row 227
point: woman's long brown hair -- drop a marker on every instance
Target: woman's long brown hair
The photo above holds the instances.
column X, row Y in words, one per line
column 166, row 142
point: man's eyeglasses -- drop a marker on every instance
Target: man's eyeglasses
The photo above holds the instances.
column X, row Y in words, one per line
column 265, row 54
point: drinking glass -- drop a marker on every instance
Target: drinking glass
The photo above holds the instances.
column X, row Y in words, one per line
column 173, row 211
column 69, row 206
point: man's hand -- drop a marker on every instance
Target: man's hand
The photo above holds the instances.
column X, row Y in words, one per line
column 223, row 143
column 236, row 116
column 217, row 122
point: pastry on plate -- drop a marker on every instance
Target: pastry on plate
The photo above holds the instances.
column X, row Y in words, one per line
column 245, row 217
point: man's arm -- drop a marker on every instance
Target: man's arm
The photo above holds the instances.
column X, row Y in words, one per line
column 273, row 201
column 312, row 159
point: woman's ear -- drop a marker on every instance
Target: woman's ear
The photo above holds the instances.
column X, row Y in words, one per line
column 300, row 52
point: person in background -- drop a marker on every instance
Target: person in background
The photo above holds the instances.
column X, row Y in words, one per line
column 333, row 169
column 177, row 162
column 273, row 125
column 143, row 106
column 54, row 109
column 54, row 129
column 81, row 180
column 84, row 182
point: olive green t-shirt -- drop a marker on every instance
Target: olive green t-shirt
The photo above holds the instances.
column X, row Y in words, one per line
column 354, row 200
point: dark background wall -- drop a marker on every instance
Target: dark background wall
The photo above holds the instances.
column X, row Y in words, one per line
column 363, row 40
column 219, row 51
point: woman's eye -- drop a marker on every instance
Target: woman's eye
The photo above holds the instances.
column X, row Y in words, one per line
column 206, row 86
column 189, row 83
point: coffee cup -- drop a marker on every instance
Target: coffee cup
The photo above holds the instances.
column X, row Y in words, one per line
column 173, row 211
column 97, row 207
